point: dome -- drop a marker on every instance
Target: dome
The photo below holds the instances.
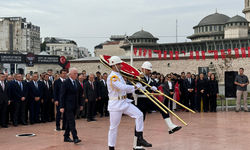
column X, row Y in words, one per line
column 237, row 18
column 213, row 19
column 142, row 34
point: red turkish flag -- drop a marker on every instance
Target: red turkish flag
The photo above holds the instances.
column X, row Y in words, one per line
column 229, row 51
column 243, row 52
column 159, row 54
column 210, row 51
column 236, row 50
column 191, row 55
column 203, row 55
column 215, row 54
column 176, row 55
column 144, row 52
column 197, row 55
column 135, row 51
column 171, row 55
column 150, row 53
column 248, row 51
column 183, row 52
column 140, row 51
column 165, row 54
column 222, row 54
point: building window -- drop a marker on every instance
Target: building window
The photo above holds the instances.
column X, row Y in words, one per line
column 215, row 28
column 225, row 46
column 219, row 28
column 65, row 48
column 206, row 28
column 202, row 29
column 210, row 28
column 69, row 48
column 52, row 48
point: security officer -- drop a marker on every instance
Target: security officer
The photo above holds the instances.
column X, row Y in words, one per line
column 119, row 104
column 145, row 104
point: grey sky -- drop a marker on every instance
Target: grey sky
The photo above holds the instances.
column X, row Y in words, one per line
column 90, row 22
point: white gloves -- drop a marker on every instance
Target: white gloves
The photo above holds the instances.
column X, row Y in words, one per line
column 153, row 88
column 138, row 85
column 143, row 88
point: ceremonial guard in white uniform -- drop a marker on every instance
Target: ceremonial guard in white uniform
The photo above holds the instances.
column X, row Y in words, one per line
column 119, row 104
column 145, row 104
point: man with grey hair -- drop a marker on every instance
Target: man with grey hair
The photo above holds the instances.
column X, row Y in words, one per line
column 70, row 96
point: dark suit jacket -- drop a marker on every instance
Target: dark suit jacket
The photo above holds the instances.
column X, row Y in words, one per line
column 89, row 93
column 187, row 85
column 214, row 86
column 102, row 89
column 152, row 83
column 47, row 93
column 34, row 92
column 201, row 86
column 57, row 90
column 17, row 93
column 10, row 89
column 81, row 90
column 166, row 87
column 4, row 94
column 69, row 96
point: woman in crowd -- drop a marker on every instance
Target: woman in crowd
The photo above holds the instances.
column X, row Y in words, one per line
column 213, row 92
column 161, row 81
column 168, row 89
column 201, row 93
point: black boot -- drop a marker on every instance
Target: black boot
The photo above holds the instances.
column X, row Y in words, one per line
column 141, row 141
column 111, row 148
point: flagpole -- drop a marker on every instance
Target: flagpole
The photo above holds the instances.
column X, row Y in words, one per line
column 131, row 50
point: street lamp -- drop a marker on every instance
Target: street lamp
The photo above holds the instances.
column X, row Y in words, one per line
column 131, row 49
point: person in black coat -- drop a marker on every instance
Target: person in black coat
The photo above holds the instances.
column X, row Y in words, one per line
column 189, row 86
column 91, row 96
column 36, row 93
column 47, row 99
column 19, row 92
column 56, row 95
column 213, row 92
column 70, row 96
column 4, row 100
column 103, row 95
column 201, row 93
column 168, row 89
column 27, row 110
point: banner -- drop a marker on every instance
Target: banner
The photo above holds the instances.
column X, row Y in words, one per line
column 236, row 50
column 210, row 51
column 197, row 55
column 159, row 54
column 183, row 53
column 203, row 55
column 140, row 51
column 135, row 51
column 150, row 53
column 165, row 54
column 222, row 54
column 171, row 55
column 215, row 54
column 176, row 55
column 191, row 55
column 144, row 52
column 243, row 52
column 248, row 51
column 229, row 51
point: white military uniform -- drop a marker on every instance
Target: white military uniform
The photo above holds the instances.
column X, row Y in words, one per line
column 119, row 104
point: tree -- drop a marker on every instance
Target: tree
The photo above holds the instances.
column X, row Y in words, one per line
column 43, row 46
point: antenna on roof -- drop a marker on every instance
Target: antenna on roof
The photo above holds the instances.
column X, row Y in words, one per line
column 216, row 11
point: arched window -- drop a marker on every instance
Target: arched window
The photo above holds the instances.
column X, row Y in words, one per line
column 209, row 47
column 213, row 47
column 217, row 47
column 225, row 46
column 242, row 45
column 221, row 47
column 234, row 46
column 238, row 45
column 229, row 46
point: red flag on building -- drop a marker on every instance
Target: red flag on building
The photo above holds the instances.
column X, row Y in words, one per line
column 236, row 50
column 140, row 51
column 203, row 55
column 222, row 54
column 210, row 51
column 197, row 55
column 183, row 52
column 243, row 52
column 215, row 54
column 176, row 55
column 144, row 52
column 159, row 54
column 135, row 51
column 165, row 54
column 229, row 51
column 248, row 51
column 191, row 55
column 150, row 53
column 171, row 55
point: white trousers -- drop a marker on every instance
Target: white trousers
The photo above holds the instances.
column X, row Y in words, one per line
column 115, row 119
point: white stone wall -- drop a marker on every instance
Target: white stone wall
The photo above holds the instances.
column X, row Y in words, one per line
column 236, row 32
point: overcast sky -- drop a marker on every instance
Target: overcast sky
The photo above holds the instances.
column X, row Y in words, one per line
column 91, row 22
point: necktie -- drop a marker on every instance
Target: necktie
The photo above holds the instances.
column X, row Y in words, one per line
column 21, row 85
column 81, row 84
column 74, row 83
column 189, row 80
column 2, row 86
column 47, row 85
column 92, row 85
column 63, row 80
column 36, row 85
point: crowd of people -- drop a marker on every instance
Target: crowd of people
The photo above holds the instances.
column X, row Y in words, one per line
column 36, row 98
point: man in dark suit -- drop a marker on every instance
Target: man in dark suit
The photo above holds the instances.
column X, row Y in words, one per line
column 46, row 102
column 103, row 95
column 4, row 100
column 56, row 95
column 70, row 96
column 189, row 85
column 50, row 73
column 91, row 96
column 27, row 109
column 80, row 84
column 36, row 93
column 19, row 92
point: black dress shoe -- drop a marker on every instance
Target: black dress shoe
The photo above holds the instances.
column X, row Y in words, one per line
column 5, row 126
column 93, row 119
column 58, row 129
column 25, row 124
column 63, row 127
column 111, row 148
column 83, row 117
column 15, row 125
column 77, row 117
column 31, row 122
column 43, row 121
column 101, row 116
column 68, row 140
column 187, row 110
column 76, row 140
column 141, row 141
column 175, row 129
column 106, row 115
column 49, row 120
column 38, row 121
column 88, row 120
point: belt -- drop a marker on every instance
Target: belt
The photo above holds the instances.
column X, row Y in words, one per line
column 138, row 95
column 118, row 98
